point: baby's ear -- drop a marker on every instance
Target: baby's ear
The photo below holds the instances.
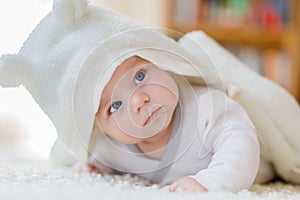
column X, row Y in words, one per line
column 69, row 11
column 14, row 71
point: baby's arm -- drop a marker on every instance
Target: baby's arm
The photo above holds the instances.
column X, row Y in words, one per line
column 234, row 164
column 232, row 169
column 236, row 155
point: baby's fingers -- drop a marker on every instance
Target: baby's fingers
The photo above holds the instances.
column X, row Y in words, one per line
column 174, row 187
column 187, row 184
column 85, row 168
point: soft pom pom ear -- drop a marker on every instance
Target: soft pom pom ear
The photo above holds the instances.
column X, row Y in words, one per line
column 14, row 71
column 69, row 11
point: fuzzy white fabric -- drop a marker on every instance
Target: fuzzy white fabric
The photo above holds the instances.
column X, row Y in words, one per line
column 36, row 179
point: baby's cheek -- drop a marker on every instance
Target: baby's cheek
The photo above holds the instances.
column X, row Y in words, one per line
column 128, row 121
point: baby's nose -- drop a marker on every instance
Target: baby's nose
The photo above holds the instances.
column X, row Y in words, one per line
column 138, row 100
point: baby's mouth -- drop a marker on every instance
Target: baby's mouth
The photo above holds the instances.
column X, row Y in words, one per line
column 152, row 116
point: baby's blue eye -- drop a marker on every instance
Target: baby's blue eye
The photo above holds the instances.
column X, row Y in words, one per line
column 139, row 77
column 115, row 106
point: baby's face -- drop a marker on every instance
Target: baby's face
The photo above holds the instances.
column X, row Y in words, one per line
column 138, row 102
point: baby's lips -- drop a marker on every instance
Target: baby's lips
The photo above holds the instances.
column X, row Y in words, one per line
column 153, row 114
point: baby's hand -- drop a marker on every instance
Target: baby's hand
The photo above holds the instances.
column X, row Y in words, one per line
column 85, row 168
column 187, row 184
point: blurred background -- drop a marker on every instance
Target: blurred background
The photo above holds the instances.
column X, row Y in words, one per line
column 262, row 33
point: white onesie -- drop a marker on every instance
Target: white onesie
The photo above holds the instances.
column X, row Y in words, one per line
column 212, row 140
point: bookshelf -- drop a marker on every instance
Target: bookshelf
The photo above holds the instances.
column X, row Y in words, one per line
column 263, row 33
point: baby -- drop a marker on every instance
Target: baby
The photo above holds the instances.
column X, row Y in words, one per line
column 127, row 99
column 167, row 131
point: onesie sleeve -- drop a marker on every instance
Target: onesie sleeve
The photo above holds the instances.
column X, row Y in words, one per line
column 235, row 149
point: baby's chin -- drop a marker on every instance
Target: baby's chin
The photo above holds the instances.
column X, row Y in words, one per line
column 129, row 140
column 136, row 139
column 148, row 133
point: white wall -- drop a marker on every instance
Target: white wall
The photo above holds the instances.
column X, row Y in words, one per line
column 25, row 131
column 17, row 19
column 149, row 12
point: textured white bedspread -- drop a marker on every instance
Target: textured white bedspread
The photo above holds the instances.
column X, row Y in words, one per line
column 32, row 179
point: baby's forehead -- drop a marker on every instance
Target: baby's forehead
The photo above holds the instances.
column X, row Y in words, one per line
column 124, row 68
column 127, row 66
column 131, row 63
